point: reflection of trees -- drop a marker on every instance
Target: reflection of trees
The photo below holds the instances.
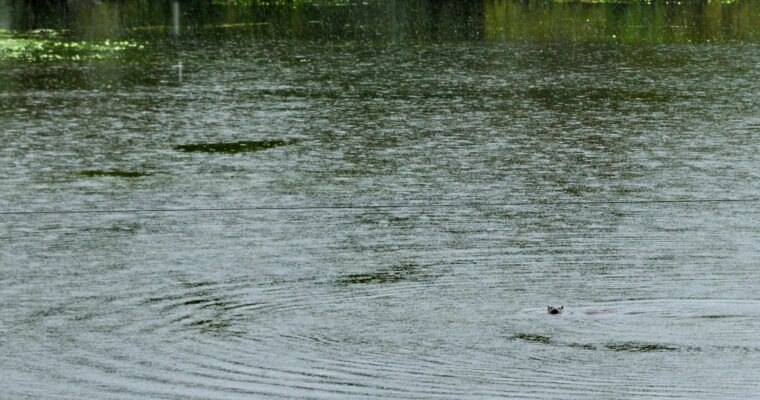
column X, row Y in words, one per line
column 395, row 19
column 658, row 21
column 690, row 21
column 34, row 14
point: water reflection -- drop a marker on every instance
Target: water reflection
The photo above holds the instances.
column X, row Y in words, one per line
column 653, row 22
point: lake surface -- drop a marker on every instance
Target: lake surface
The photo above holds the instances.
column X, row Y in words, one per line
column 384, row 214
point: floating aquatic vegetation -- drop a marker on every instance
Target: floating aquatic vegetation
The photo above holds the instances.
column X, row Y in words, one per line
column 191, row 285
column 232, row 147
column 112, row 173
column 639, row 347
column 584, row 346
column 48, row 45
column 395, row 274
column 717, row 316
column 529, row 337
column 211, row 326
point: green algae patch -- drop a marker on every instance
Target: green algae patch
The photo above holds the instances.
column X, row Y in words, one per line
column 232, row 147
column 112, row 173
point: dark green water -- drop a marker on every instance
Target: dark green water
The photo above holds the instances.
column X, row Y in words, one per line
column 407, row 186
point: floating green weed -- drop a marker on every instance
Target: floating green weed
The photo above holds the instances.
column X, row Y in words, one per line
column 232, row 147
column 112, row 173
column 46, row 45
column 529, row 337
column 584, row 346
column 716, row 316
column 211, row 326
column 638, row 347
column 395, row 274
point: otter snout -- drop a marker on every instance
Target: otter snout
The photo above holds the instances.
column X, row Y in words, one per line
column 554, row 310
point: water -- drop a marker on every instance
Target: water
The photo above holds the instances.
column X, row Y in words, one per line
column 418, row 300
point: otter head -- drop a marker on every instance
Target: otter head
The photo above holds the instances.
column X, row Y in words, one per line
column 554, row 310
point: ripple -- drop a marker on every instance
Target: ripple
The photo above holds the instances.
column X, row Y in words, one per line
column 686, row 325
column 329, row 339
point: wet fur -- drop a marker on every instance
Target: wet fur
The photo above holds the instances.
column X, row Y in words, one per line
column 555, row 310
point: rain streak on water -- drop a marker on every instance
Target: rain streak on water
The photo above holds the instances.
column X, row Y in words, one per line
column 413, row 302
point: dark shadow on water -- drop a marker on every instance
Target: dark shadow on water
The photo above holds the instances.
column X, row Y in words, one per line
column 112, row 173
column 232, row 147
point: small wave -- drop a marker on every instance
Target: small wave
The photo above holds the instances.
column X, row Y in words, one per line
column 641, row 326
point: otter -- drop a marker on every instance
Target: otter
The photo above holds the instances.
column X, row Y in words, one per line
column 554, row 310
